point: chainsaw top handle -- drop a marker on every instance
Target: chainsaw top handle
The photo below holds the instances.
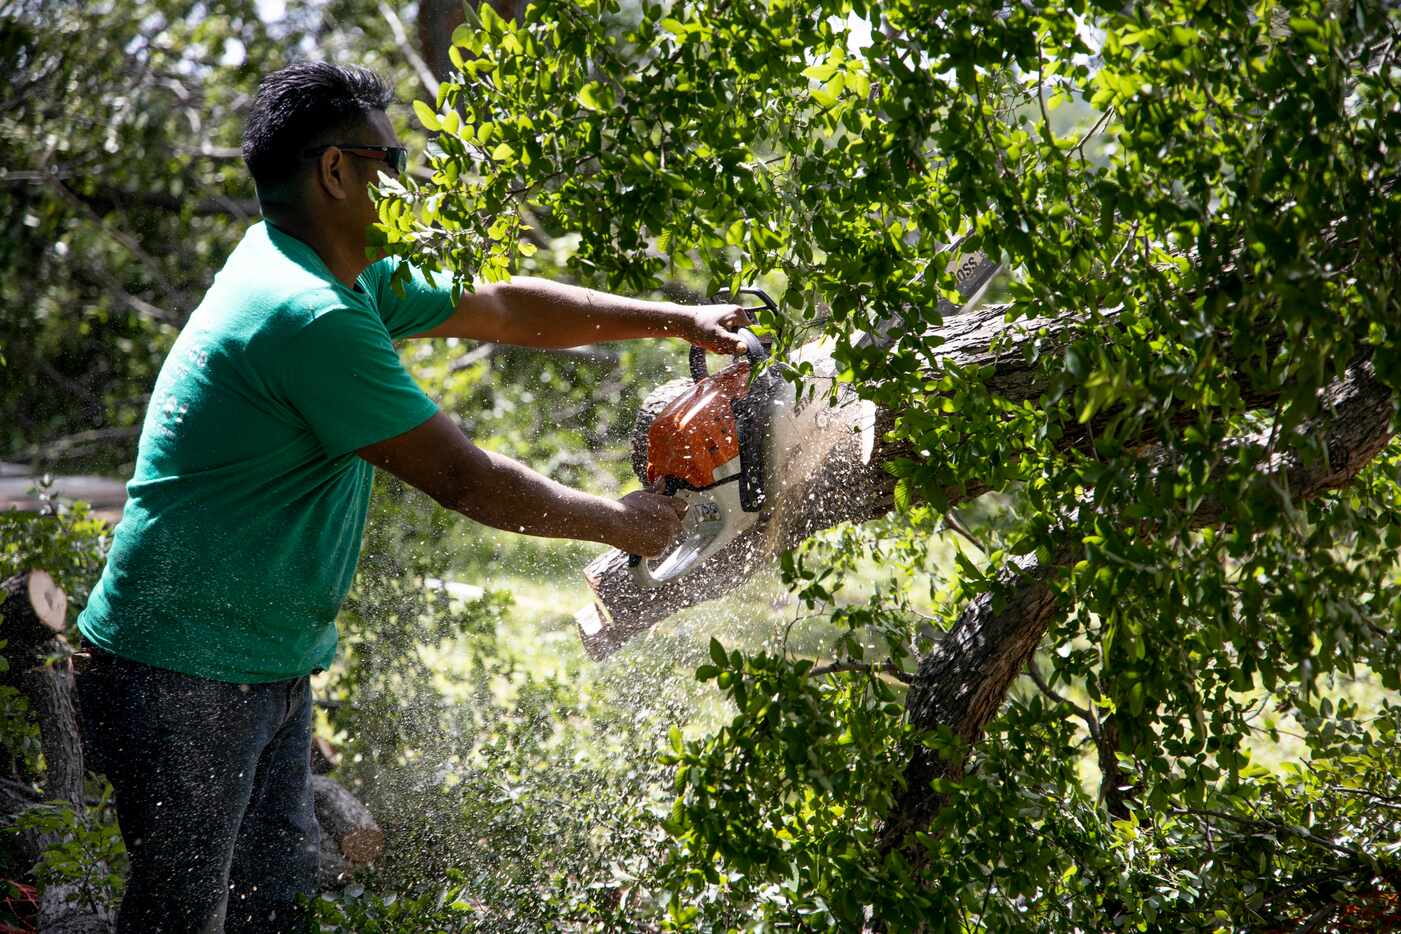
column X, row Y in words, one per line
column 753, row 347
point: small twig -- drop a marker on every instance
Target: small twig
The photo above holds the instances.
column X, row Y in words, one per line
column 1293, row 831
column 1384, row 800
column 871, row 668
column 1041, row 93
column 1084, row 713
column 121, row 236
column 105, row 279
column 519, row 190
column 1123, row 249
column 1092, row 132
column 952, row 521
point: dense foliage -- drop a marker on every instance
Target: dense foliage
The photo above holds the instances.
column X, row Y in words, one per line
column 1207, row 190
column 1219, row 211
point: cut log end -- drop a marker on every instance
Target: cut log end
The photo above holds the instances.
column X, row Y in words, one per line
column 49, row 601
column 33, row 597
column 346, row 822
column 362, row 846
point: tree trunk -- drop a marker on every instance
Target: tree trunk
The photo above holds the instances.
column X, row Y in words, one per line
column 32, row 621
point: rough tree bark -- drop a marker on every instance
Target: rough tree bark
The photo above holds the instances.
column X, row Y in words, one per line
column 438, row 18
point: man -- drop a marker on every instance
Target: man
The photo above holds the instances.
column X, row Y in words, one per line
column 244, row 518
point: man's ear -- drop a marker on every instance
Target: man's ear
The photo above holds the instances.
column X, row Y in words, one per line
column 333, row 174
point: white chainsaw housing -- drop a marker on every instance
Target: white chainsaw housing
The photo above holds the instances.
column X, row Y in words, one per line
column 794, row 438
column 714, row 517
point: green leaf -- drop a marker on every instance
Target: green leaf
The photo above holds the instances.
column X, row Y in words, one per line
column 588, row 96
column 426, row 116
column 717, row 653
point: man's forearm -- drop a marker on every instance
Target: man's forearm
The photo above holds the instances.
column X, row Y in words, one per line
column 555, row 314
column 532, row 312
column 507, row 495
column 494, row 490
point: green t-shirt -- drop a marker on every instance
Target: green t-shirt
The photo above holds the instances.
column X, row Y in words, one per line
column 243, row 521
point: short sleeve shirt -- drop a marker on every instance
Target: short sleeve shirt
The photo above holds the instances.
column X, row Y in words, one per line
column 244, row 518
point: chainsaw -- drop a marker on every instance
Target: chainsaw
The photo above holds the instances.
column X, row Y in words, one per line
column 714, row 441
column 732, row 443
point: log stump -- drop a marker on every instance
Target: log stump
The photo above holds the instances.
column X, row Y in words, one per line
column 33, row 617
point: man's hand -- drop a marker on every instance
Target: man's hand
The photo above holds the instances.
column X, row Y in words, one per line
column 649, row 523
column 713, row 327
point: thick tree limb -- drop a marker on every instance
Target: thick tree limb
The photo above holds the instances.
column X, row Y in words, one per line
column 961, row 684
column 852, row 484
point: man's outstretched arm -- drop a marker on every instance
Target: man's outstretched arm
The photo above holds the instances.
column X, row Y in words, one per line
column 437, row 458
column 532, row 312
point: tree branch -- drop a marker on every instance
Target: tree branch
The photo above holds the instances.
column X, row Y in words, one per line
column 406, row 49
column 873, row 668
column 1277, row 827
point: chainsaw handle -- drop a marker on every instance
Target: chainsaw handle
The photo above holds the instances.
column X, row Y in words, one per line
column 672, row 484
column 758, row 293
column 753, row 349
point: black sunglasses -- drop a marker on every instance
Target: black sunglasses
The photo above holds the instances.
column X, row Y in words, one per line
column 396, row 157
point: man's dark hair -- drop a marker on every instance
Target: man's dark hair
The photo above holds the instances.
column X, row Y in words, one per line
column 301, row 106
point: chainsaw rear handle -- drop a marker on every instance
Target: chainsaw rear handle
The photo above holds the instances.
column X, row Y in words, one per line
column 753, row 347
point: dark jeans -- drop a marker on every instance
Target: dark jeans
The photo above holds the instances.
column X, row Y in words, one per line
column 212, row 787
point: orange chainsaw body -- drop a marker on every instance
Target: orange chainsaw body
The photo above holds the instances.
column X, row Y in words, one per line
column 697, row 433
